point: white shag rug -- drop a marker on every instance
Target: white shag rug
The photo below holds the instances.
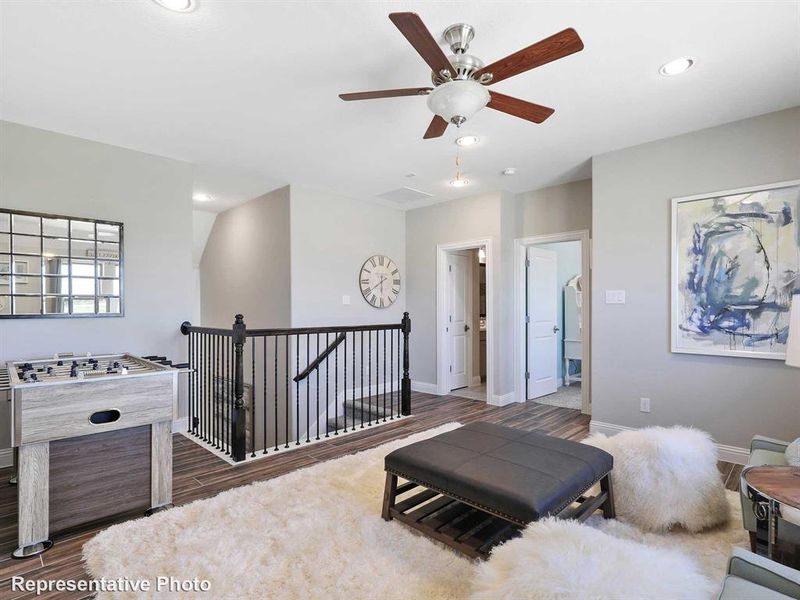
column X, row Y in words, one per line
column 317, row 533
column 665, row 477
column 557, row 559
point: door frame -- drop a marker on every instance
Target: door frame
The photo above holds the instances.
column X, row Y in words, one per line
column 442, row 344
column 520, row 254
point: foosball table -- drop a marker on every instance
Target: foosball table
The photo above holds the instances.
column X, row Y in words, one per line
column 93, row 436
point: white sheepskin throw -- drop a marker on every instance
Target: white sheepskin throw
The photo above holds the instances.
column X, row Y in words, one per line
column 563, row 559
column 665, row 477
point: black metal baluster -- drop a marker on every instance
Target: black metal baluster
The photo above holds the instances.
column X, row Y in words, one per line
column 327, row 390
column 308, row 386
column 384, row 376
column 399, row 391
column 276, row 394
column 219, row 370
column 297, row 391
column 252, row 398
column 391, row 375
column 286, row 400
column 226, row 421
column 336, row 386
column 369, row 378
column 344, row 385
column 191, row 384
column 361, row 366
column 266, row 437
column 316, row 379
column 205, row 387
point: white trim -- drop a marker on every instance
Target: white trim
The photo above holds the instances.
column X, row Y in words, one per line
column 476, row 381
column 6, row 457
column 731, row 454
column 520, row 255
column 259, row 454
column 442, row 378
column 502, row 399
column 425, row 387
column 673, row 293
column 180, row 424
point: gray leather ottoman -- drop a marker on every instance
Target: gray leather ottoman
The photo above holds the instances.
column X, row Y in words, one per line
column 482, row 482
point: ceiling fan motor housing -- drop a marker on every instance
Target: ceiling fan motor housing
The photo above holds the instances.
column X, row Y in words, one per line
column 458, row 37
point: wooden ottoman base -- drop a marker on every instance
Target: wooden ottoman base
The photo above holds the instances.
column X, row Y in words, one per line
column 470, row 529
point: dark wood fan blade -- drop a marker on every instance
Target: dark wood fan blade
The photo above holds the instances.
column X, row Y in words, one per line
column 556, row 46
column 519, row 108
column 412, row 27
column 386, row 94
column 436, row 128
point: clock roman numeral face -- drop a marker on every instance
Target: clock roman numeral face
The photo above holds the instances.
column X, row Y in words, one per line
column 379, row 281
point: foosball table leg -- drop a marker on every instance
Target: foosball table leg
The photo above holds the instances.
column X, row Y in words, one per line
column 160, row 466
column 33, row 493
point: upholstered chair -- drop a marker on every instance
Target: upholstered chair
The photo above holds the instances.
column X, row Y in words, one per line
column 751, row 576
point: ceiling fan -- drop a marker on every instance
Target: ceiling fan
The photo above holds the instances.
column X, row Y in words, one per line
column 459, row 80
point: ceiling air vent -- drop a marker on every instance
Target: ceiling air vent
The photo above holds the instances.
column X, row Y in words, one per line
column 404, row 195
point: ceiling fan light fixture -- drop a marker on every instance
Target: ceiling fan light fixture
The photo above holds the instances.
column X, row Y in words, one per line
column 457, row 101
column 467, row 140
column 676, row 67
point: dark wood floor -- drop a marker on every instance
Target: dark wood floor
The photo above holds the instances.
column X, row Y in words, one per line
column 200, row 474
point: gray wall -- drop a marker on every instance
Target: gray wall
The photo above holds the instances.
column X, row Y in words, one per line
column 152, row 196
column 556, row 209
column 569, row 265
column 733, row 398
column 332, row 236
column 245, row 265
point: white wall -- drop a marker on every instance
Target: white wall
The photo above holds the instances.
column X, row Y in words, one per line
column 556, row 209
column 569, row 264
column 733, row 398
column 202, row 222
column 152, row 196
column 245, row 265
column 331, row 238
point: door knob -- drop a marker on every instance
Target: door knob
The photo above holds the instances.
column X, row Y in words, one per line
column 466, row 327
column 556, row 329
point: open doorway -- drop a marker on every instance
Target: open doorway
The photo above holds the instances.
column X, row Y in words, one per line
column 554, row 302
column 464, row 317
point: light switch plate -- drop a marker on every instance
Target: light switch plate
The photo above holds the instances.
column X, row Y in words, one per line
column 345, row 299
column 615, row 296
column 644, row 405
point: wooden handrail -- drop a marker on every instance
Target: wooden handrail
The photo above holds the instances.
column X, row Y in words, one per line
column 322, row 356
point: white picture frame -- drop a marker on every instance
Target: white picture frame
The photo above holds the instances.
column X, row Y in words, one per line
column 712, row 315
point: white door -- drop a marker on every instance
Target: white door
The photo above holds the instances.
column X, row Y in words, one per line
column 458, row 319
column 542, row 322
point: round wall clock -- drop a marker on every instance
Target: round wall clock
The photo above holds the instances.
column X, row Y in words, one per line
column 379, row 281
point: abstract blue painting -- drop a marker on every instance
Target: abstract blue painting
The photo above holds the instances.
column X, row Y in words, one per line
column 735, row 265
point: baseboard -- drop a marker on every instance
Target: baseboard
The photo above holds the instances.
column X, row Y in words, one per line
column 424, row 387
column 180, row 424
column 476, row 381
column 6, row 457
column 731, row 454
column 502, row 399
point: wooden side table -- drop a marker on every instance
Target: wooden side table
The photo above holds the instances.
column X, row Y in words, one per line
column 772, row 489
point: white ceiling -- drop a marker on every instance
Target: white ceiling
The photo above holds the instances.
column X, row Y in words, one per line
column 247, row 90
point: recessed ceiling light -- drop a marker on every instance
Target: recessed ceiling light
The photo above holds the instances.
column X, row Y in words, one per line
column 676, row 67
column 510, row 171
column 458, row 183
column 177, row 5
column 202, row 198
column 467, row 140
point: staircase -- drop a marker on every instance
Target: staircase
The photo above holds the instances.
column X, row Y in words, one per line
column 373, row 411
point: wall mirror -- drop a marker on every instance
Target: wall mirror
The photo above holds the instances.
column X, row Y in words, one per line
column 55, row 266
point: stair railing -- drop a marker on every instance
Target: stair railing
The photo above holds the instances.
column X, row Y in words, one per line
column 358, row 377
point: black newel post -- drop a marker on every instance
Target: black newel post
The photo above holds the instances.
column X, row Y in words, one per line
column 238, row 422
column 405, row 387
